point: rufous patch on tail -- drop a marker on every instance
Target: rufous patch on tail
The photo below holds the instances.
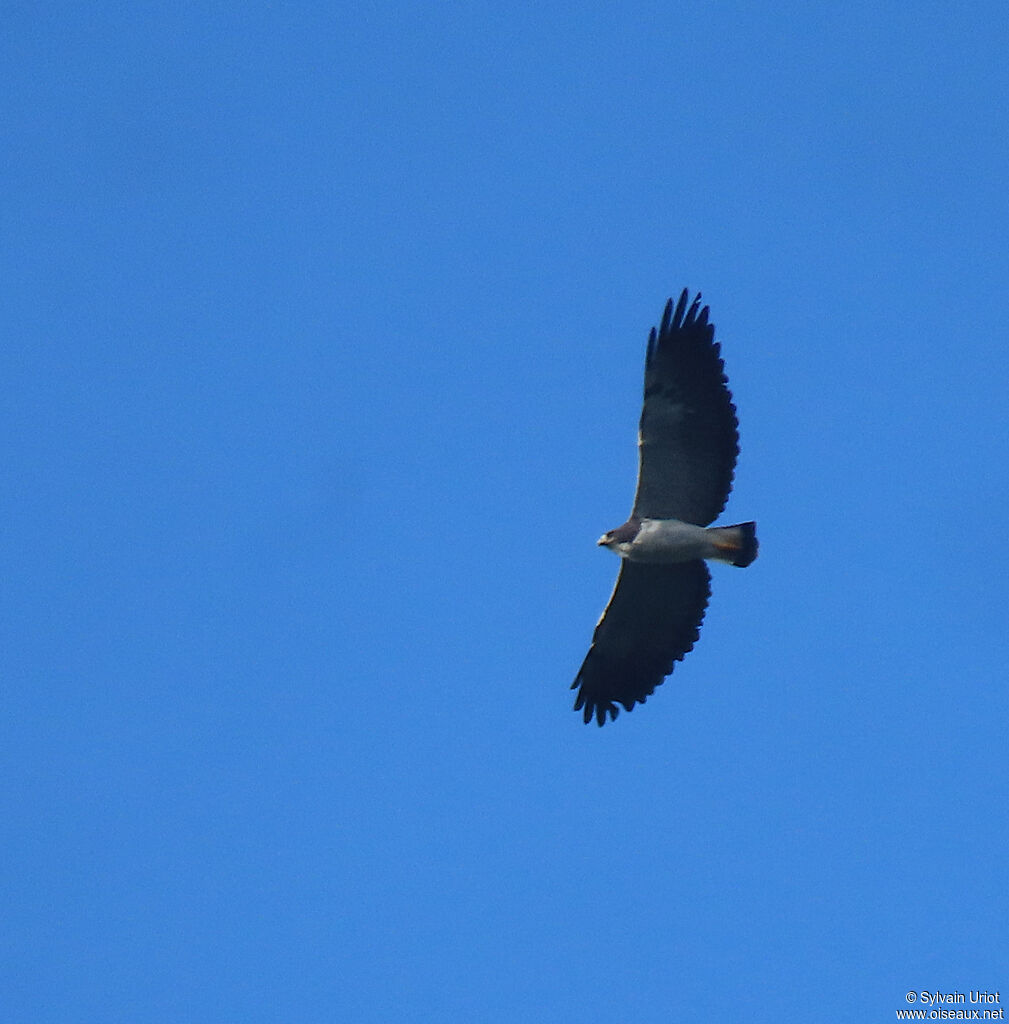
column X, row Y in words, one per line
column 737, row 544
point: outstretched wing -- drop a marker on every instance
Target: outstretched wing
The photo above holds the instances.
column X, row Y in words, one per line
column 688, row 438
column 650, row 623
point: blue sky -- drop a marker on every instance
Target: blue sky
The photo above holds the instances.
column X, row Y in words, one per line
column 323, row 340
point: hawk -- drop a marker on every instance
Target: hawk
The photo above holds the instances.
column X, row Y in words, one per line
column 688, row 440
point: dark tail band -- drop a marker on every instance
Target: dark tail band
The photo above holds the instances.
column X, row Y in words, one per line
column 748, row 550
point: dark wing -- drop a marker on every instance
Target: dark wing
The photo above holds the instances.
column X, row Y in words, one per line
column 688, row 437
column 650, row 623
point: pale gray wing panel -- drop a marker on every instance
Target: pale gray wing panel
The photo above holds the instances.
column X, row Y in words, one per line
column 652, row 620
column 688, row 435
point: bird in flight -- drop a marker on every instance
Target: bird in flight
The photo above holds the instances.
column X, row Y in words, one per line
column 688, row 440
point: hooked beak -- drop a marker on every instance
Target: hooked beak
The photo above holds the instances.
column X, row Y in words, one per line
column 604, row 540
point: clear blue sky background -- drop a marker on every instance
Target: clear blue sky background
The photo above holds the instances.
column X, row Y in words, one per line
column 323, row 330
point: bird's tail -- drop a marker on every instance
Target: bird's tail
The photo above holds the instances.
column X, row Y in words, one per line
column 735, row 544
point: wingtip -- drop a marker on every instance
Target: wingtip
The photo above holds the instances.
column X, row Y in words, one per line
column 601, row 710
column 594, row 709
column 681, row 308
column 685, row 313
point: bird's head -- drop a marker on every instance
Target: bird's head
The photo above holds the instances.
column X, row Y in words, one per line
column 622, row 537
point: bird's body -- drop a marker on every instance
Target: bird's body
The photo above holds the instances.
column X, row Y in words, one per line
column 688, row 442
column 667, row 541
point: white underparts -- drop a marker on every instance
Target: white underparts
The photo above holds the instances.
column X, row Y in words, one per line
column 670, row 540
